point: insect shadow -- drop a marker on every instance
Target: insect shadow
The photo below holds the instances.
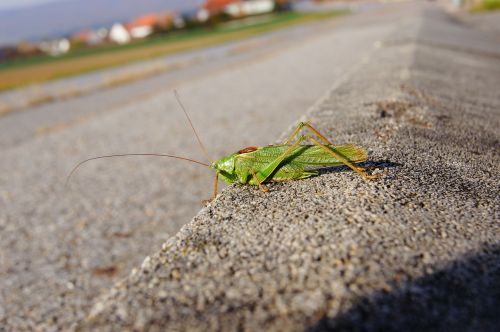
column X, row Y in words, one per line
column 383, row 165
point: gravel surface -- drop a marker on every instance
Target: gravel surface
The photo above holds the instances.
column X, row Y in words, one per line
column 62, row 247
column 418, row 249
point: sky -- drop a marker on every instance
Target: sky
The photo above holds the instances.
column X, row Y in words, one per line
column 11, row 4
column 33, row 20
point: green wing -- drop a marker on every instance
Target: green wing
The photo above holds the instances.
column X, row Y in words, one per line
column 307, row 155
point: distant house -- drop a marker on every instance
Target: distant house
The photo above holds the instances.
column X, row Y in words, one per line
column 145, row 25
column 90, row 36
column 118, row 34
column 250, row 7
column 81, row 36
column 55, row 47
column 213, row 7
column 25, row 48
column 234, row 8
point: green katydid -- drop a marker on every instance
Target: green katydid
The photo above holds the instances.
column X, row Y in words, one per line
column 287, row 161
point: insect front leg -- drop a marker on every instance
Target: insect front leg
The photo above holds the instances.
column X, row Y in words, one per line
column 216, row 184
column 311, row 128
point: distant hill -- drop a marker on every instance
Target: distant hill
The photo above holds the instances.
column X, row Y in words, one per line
column 63, row 17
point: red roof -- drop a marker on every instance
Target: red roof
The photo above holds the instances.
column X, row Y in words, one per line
column 148, row 20
column 82, row 35
column 217, row 5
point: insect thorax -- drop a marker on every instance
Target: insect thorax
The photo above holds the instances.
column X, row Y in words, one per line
column 225, row 164
column 225, row 167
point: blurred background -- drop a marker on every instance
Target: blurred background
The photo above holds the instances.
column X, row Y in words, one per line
column 83, row 78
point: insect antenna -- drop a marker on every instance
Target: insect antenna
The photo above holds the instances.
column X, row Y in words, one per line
column 210, row 159
column 130, row 154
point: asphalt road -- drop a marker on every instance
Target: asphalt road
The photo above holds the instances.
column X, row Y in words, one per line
column 63, row 246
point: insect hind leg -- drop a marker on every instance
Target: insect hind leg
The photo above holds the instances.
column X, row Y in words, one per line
column 358, row 169
column 311, row 128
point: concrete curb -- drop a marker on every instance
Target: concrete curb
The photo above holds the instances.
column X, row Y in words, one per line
column 415, row 250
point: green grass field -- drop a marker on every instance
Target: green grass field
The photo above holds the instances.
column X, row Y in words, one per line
column 42, row 68
column 487, row 5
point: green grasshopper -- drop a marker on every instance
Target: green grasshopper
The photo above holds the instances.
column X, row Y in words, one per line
column 287, row 161
column 258, row 165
